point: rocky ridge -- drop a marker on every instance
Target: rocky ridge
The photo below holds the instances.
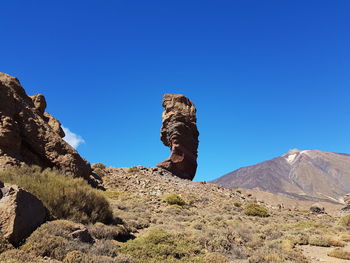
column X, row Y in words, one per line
column 29, row 135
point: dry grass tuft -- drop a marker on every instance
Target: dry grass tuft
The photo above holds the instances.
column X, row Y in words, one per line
column 65, row 197
column 345, row 221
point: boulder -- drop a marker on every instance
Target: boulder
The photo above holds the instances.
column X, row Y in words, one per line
column 82, row 234
column 317, row 209
column 21, row 213
column 179, row 132
column 29, row 135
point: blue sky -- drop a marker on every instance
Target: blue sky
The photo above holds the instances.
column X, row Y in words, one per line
column 265, row 76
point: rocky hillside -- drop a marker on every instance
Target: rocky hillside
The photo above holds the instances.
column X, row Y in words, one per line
column 304, row 175
column 162, row 218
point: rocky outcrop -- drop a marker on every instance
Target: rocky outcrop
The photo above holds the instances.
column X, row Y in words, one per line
column 29, row 135
column 179, row 132
column 317, row 209
column 21, row 213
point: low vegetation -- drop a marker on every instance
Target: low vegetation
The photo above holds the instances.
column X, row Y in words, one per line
column 65, row 197
column 253, row 209
column 175, row 221
column 55, row 240
column 174, row 199
column 345, row 221
column 160, row 246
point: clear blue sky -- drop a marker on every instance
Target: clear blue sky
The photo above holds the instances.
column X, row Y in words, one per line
column 265, row 76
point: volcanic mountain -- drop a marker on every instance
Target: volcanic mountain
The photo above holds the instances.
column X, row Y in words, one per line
column 304, row 175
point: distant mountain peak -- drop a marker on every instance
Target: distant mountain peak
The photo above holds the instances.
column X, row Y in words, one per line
column 301, row 174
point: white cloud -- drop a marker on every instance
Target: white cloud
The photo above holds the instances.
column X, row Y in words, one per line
column 73, row 139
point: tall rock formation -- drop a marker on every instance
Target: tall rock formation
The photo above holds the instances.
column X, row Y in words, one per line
column 29, row 135
column 179, row 132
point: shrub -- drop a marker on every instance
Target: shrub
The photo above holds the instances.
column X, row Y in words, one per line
column 237, row 204
column 215, row 258
column 55, row 240
column 339, row 253
column 174, row 199
column 319, row 241
column 112, row 194
column 65, row 197
column 307, row 224
column 134, row 169
column 254, row 209
column 19, row 256
column 345, row 221
column 102, row 231
column 161, row 246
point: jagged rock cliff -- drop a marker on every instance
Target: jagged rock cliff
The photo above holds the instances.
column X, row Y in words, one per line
column 179, row 132
column 29, row 135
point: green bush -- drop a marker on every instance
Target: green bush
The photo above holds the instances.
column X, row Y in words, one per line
column 161, row 246
column 253, row 209
column 345, row 221
column 174, row 199
column 65, row 197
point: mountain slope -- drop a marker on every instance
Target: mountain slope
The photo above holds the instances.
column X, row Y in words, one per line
column 306, row 175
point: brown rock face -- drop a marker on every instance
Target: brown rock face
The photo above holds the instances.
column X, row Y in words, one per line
column 179, row 132
column 21, row 213
column 30, row 135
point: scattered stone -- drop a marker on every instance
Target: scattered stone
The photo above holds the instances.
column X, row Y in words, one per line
column 82, row 235
column 179, row 132
column 21, row 213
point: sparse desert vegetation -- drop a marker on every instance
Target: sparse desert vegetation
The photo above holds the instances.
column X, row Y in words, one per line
column 65, row 197
column 345, row 221
column 165, row 219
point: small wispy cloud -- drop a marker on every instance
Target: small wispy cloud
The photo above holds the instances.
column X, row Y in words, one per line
column 73, row 139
